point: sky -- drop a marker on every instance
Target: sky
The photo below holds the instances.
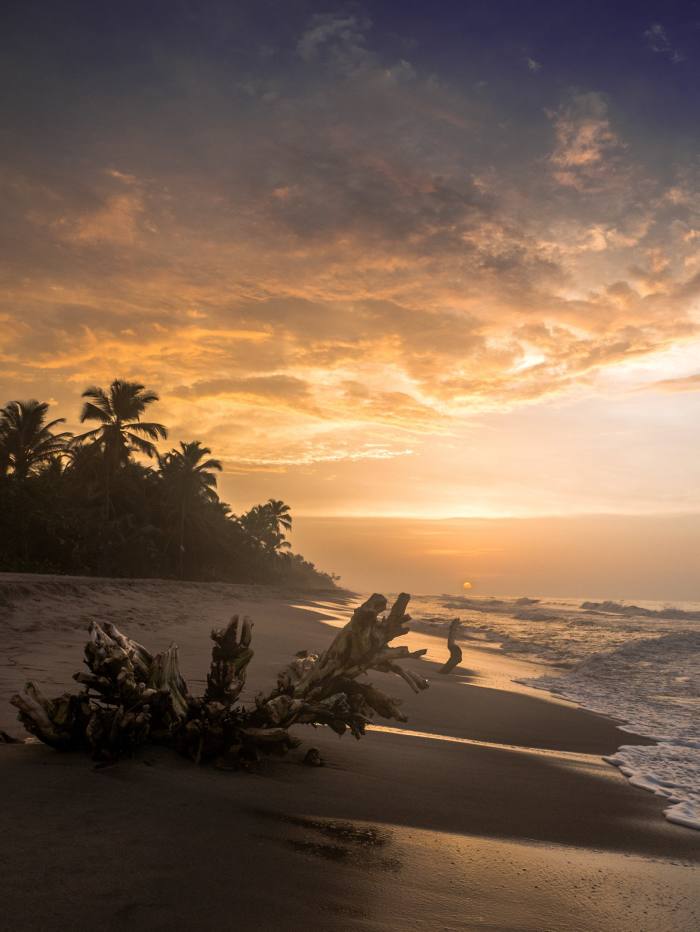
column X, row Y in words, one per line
column 620, row 557
column 393, row 260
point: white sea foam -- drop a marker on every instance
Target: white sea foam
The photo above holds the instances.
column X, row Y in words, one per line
column 637, row 663
column 668, row 769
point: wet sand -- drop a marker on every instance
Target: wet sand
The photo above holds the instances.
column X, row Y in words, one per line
column 523, row 827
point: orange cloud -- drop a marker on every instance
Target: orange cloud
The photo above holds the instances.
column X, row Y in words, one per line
column 688, row 383
column 347, row 269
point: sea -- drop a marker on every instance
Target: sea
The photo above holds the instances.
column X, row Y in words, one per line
column 636, row 662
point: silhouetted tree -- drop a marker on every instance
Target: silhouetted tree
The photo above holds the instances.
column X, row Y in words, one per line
column 122, row 431
column 280, row 514
column 87, row 506
column 189, row 481
column 263, row 522
column 26, row 440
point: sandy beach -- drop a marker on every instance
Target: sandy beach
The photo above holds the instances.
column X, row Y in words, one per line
column 490, row 809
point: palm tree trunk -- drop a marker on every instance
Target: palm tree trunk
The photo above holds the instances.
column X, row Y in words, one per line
column 182, row 542
column 23, row 523
column 107, row 501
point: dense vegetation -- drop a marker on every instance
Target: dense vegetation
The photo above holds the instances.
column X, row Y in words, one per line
column 84, row 504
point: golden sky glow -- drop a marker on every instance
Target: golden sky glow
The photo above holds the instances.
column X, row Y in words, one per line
column 586, row 557
column 370, row 286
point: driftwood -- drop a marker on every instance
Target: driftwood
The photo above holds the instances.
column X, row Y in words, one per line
column 131, row 697
column 9, row 739
column 455, row 649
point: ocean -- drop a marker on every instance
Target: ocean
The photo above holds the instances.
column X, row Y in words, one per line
column 637, row 662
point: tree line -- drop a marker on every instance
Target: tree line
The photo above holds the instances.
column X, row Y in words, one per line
column 85, row 504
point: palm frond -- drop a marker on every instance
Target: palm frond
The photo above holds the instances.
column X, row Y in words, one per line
column 210, row 464
column 52, row 424
column 143, row 446
column 148, row 396
column 149, row 428
column 130, row 399
column 96, row 435
column 93, row 412
column 205, row 478
column 53, row 443
column 99, row 398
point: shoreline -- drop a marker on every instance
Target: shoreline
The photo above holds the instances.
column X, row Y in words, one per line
column 442, row 833
column 537, row 677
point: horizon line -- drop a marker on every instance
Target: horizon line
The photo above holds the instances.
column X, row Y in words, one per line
column 502, row 517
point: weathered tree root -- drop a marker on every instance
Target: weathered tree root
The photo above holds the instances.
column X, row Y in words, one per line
column 454, row 648
column 131, row 697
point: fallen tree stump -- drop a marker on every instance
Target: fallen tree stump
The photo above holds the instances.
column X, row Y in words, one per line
column 131, row 697
column 455, row 649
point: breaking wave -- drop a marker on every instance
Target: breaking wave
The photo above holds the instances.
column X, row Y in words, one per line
column 639, row 664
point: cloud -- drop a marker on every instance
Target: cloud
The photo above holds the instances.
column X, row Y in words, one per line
column 658, row 41
column 114, row 222
column 340, row 255
column 336, row 38
column 586, row 145
column 312, row 454
column 687, row 383
column 285, row 387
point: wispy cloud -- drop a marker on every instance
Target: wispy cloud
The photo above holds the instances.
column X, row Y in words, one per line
column 687, row 383
column 338, row 39
column 586, row 145
column 658, row 41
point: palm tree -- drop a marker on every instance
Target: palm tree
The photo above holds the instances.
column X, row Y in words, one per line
column 26, row 440
column 267, row 523
column 190, row 480
column 280, row 514
column 119, row 412
column 121, row 430
column 4, row 449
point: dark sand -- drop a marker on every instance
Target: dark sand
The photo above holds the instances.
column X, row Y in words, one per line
column 396, row 832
